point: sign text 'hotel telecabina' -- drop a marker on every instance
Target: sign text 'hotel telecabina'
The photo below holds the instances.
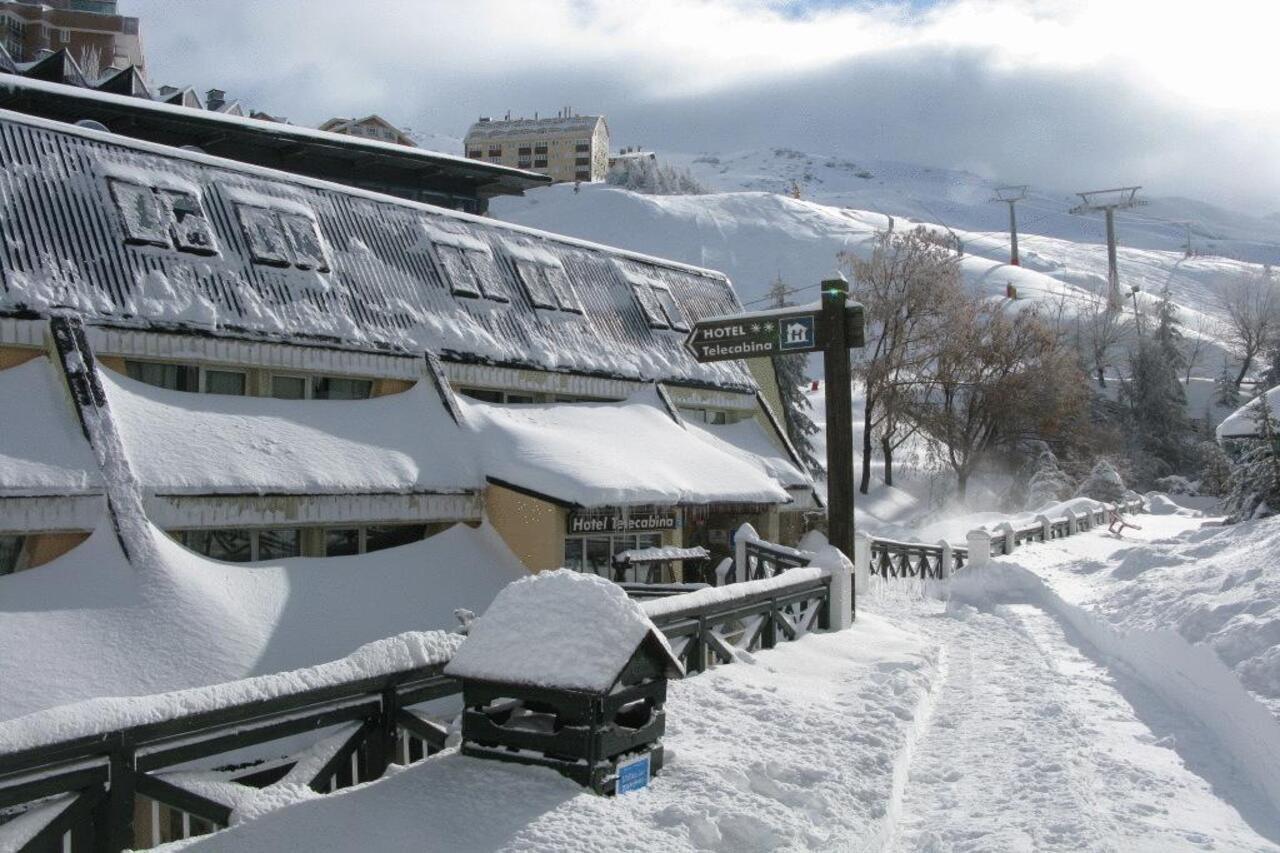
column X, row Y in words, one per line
column 616, row 523
column 767, row 333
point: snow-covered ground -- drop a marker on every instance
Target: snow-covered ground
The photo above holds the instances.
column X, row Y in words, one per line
column 801, row 747
column 1007, row 710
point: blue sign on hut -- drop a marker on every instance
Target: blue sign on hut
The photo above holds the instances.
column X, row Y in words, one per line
column 565, row 671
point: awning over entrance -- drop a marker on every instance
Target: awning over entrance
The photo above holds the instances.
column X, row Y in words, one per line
column 627, row 453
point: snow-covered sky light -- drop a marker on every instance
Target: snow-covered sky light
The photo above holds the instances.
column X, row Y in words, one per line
column 1064, row 93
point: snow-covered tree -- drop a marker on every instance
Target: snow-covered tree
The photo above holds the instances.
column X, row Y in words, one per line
column 792, row 374
column 1104, row 483
column 1215, row 469
column 1253, row 489
column 646, row 175
column 1048, row 483
column 1251, row 305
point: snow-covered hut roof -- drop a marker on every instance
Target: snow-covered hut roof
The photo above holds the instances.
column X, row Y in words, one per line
column 611, row 454
column 185, row 241
column 183, row 443
column 748, row 441
column 1242, row 424
column 42, row 448
column 559, row 629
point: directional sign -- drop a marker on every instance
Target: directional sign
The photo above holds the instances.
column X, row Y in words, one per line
column 753, row 335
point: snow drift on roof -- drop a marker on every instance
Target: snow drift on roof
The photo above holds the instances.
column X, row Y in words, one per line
column 42, row 450
column 611, row 454
column 1241, row 424
column 180, row 442
column 748, row 441
column 556, row 629
column 89, row 624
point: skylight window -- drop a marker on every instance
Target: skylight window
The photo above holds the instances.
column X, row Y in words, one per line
column 670, row 308
column 262, row 229
column 649, row 306
column 144, row 217
column 304, row 240
column 535, row 284
column 468, row 266
column 544, row 278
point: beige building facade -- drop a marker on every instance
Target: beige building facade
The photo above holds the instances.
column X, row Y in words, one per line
column 566, row 147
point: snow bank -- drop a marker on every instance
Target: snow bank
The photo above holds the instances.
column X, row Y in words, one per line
column 611, row 454
column 190, row 621
column 42, row 449
column 94, row 716
column 1188, row 677
column 556, row 629
column 827, row 719
column 208, row 443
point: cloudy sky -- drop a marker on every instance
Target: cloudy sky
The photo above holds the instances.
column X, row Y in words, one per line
column 1067, row 94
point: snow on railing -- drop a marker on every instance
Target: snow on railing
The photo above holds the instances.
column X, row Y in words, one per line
column 890, row 559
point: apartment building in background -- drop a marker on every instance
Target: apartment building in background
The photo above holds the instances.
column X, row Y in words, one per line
column 565, row 147
column 90, row 30
column 370, row 127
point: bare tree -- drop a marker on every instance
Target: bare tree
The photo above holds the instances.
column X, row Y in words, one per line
column 1000, row 380
column 1199, row 337
column 1101, row 329
column 904, row 287
column 1251, row 306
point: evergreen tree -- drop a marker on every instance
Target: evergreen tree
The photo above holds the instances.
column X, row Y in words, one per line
column 1225, row 391
column 792, row 374
column 1160, row 432
column 1168, row 334
column 1254, row 487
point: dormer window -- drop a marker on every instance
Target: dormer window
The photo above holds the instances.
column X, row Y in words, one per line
column 167, row 217
column 467, row 264
column 282, row 238
column 657, row 303
column 544, row 278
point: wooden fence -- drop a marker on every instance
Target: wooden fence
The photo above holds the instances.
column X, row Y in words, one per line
column 108, row 792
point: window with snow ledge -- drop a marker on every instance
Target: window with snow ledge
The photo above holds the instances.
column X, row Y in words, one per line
column 164, row 217
column 657, row 304
column 282, row 238
column 544, row 278
column 467, row 265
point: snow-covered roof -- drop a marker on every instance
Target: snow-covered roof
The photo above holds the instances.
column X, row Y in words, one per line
column 1242, row 424
column 184, row 443
column 748, row 440
column 185, row 620
column 491, row 129
column 42, row 449
column 363, row 274
column 611, row 454
column 558, row 629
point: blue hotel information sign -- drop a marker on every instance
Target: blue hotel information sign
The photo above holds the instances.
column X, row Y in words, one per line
column 633, row 774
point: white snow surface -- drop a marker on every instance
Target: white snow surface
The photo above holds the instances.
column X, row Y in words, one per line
column 179, row 442
column 799, row 750
column 612, row 454
column 42, row 449
column 1241, row 423
column 408, row 650
column 89, row 624
column 559, row 629
column 748, row 441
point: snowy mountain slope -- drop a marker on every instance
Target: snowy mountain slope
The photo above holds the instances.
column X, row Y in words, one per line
column 754, row 236
column 962, row 200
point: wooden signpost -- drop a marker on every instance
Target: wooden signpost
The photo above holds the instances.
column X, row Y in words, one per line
column 832, row 326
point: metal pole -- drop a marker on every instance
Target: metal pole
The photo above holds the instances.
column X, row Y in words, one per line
column 1113, row 270
column 839, row 400
column 1013, row 235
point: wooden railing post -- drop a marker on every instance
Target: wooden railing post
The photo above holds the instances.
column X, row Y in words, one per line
column 769, row 630
column 1010, row 538
column 945, row 564
column 698, row 648
column 113, row 818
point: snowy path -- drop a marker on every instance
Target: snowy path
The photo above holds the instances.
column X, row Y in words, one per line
column 1034, row 745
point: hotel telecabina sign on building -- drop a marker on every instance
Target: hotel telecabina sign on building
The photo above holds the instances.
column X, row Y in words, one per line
column 617, row 523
